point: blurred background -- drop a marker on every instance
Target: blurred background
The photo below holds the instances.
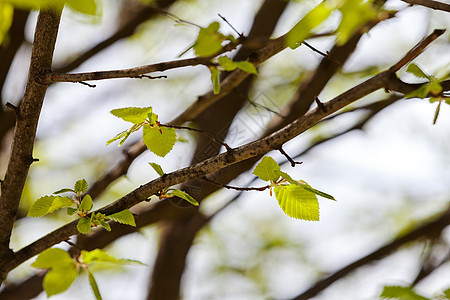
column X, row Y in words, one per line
column 387, row 177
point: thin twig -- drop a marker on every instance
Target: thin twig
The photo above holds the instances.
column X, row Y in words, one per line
column 232, row 27
column 326, row 55
column 293, row 163
column 87, row 84
column 431, row 4
column 212, row 138
column 263, row 188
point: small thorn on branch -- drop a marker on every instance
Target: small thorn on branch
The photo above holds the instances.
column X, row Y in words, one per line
column 320, row 104
column 87, row 84
column 293, row 162
column 149, row 77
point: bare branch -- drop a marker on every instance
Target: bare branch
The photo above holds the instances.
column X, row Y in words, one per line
column 430, row 3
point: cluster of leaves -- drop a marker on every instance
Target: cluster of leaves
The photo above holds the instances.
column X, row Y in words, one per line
column 431, row 87
column 63, row 270
column 209, row 42
column 407, row 293
column 354, row 13
column 296, row 198
column 81, row 205
column 157, row 138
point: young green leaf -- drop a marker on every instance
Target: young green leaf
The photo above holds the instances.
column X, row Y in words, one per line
column 86, row 203
column 64, row 190
column 401, row 292
column 59, row 279
column 302, row 30
column 267, row 169
column 157, row 168
column 51, row 258
column 84, row 225
column 185, row 196
column 297, row 203
column 159, row 140
column 105, row 225
column 62, row 271
column 230, row 65
column 123, row 136
column 135, row 115
column 94, row 286
column 123, row 217
column 98, row 255
column 88, row 7
column 417, row 71
column 80, row 186
column 215, row 79
column 354, row 14
column 71, row 211
column 48, row 204
column 209, row 40
column 436, row 113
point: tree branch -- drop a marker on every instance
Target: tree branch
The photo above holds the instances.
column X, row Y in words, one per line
column 220, row 161
column 25, row 131
column 430, row 3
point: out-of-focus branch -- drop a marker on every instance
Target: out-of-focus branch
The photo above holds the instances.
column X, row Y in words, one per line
column 428, row 230
column 430, row 3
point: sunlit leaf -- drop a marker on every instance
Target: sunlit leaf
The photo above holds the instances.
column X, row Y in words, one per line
column 355, row 13
column 6, row 17
column 64, row 190
column 123, row 217
column 185, row 196
column 84, row 225
column 48, row 204
column 158, row 169
column 416, row 71
column 215, row 79
column 267, row 169
column 99, row 255
column 94, row 286
column 53, row 257
column 209, row 40
column 230, row 65
column 159, row 140
column 297, row 202
column 401, row 292
column 302, row 30
column 59, row 279
column 88, row 7
column 135, row 115
column 81, row 186
column 86, row 203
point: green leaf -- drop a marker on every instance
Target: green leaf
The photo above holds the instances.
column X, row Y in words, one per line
column 230, row 65
column 97, row 255
column 84, row 225
column 6, row 17
column 51, row 258
column 123, row 136
column 209, row 40
column 185, row 196
column 421, row 92
column 267, row 169
column 86, row 203
column 135, row 115
column 304, row 185
column 447, row 293
column 302, row 30
column 401, row 292
column 215, row 79
column 88, row 7
column 71, row 211
column 65, row 190
column 355, row 13
column 297, row 202
column 94, row 286
column 157, row 168
column 59, row 279
column 48, row 204
column 417, row 71
column 436, row 113
column 80, row 186
column 123, row 217
column 159, row 140
column 105, row 225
